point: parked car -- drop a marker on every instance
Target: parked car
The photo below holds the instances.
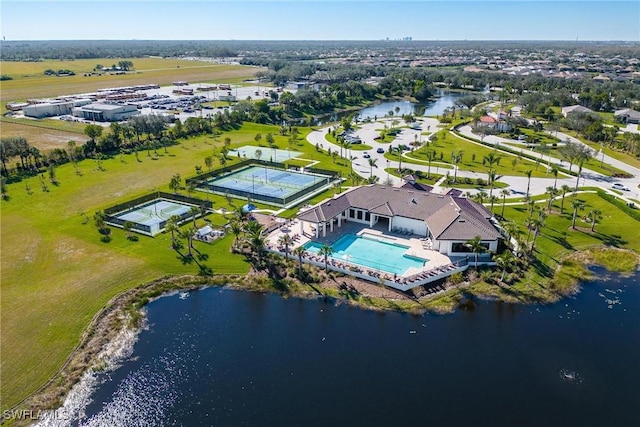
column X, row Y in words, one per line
column 618, row 186
column 366, row 155
column 380, row 150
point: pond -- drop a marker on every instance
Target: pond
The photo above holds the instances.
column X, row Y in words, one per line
column 442, row 100
column 223, row 357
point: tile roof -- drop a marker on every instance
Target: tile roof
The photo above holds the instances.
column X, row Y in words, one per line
column 448, row 217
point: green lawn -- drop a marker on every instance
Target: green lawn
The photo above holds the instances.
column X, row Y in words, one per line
column 550, row 276
column 447, row 143
column 56, row 273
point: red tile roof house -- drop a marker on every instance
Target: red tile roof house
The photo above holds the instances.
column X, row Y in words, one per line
column 493, row 123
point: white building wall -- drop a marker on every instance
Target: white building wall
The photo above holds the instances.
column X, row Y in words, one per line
column 444, row 247
column 418, row 227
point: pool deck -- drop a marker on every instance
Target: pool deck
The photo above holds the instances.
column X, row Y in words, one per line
column 437, row 267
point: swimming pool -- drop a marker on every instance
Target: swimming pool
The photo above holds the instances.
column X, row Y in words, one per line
column 371, row 253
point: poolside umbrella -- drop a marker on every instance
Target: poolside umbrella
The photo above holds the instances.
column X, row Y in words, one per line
column 248, row 207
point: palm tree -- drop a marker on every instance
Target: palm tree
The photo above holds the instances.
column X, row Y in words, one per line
column 552, row 192
column 492, row 178
column 537, row 225
column 187, row 234
column 285, row 240
column 528, row 172
column 456, row 157
column 530, row 223
column 299, row 252
column 480, row 196
column 504, row 261
column 476, row 247
column 236, row 229
column 372, row 163
column 172, row 227
column 554, row 172
column 576, row 204
column 256, row 240
column 431, row 155
column 594, row 215
column 491, row 159
column 563, row 190
column 492, row 200
column 504, row 193
column 326, row 251
column 194, row 211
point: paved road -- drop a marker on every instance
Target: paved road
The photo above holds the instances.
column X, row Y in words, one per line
column 517, row 185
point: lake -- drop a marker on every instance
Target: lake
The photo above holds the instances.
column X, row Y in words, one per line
column 223, row 357
column 443, row 99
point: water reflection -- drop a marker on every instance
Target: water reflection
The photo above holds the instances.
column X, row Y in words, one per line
column 223, row 357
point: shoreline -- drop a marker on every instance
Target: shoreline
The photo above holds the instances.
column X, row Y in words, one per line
column 123, row 315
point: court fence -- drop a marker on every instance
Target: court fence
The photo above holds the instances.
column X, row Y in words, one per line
column 324, row 178
column 112, row 212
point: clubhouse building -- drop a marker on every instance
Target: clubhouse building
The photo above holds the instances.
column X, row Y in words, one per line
column 447, row 222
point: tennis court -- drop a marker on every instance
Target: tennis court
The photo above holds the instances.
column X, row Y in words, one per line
column 274, row 186
column 153, row 214
column 268, row 154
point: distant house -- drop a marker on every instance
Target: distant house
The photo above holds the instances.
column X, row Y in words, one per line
column 493, row 123
column 449, row 221
column 627, row 116
column 575, row 108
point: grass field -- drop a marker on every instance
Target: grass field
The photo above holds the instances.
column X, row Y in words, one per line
column 447, row 143
column 551, row 275
column 41, row 137
column 30, row 82
column 56, row 273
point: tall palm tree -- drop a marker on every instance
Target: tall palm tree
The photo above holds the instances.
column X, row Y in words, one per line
column 552, row 192
column 504, row 193
column 194, row 211
column 563, row 190
column 504, row 261
column 554, row 172
column 431, row 155
column 187, row 234
column 594, row 215
column 326, row 251
column 236, row 229
column 172, row 227
column 299, row 252
column 476, row 247
column 491, row 158
column 528, row 173
column 492, row 200
column 285, row 240
column 537, row 225
column 492, row 178
column 456, row 157
column 256, row 239
column 372, row 163
column 576, row 204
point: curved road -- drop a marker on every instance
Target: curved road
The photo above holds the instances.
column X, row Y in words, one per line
column 517, row 184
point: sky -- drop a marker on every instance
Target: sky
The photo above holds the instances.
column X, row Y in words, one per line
column 320, row 20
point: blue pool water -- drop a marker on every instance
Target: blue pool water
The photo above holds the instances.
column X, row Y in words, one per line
column 371, row 253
